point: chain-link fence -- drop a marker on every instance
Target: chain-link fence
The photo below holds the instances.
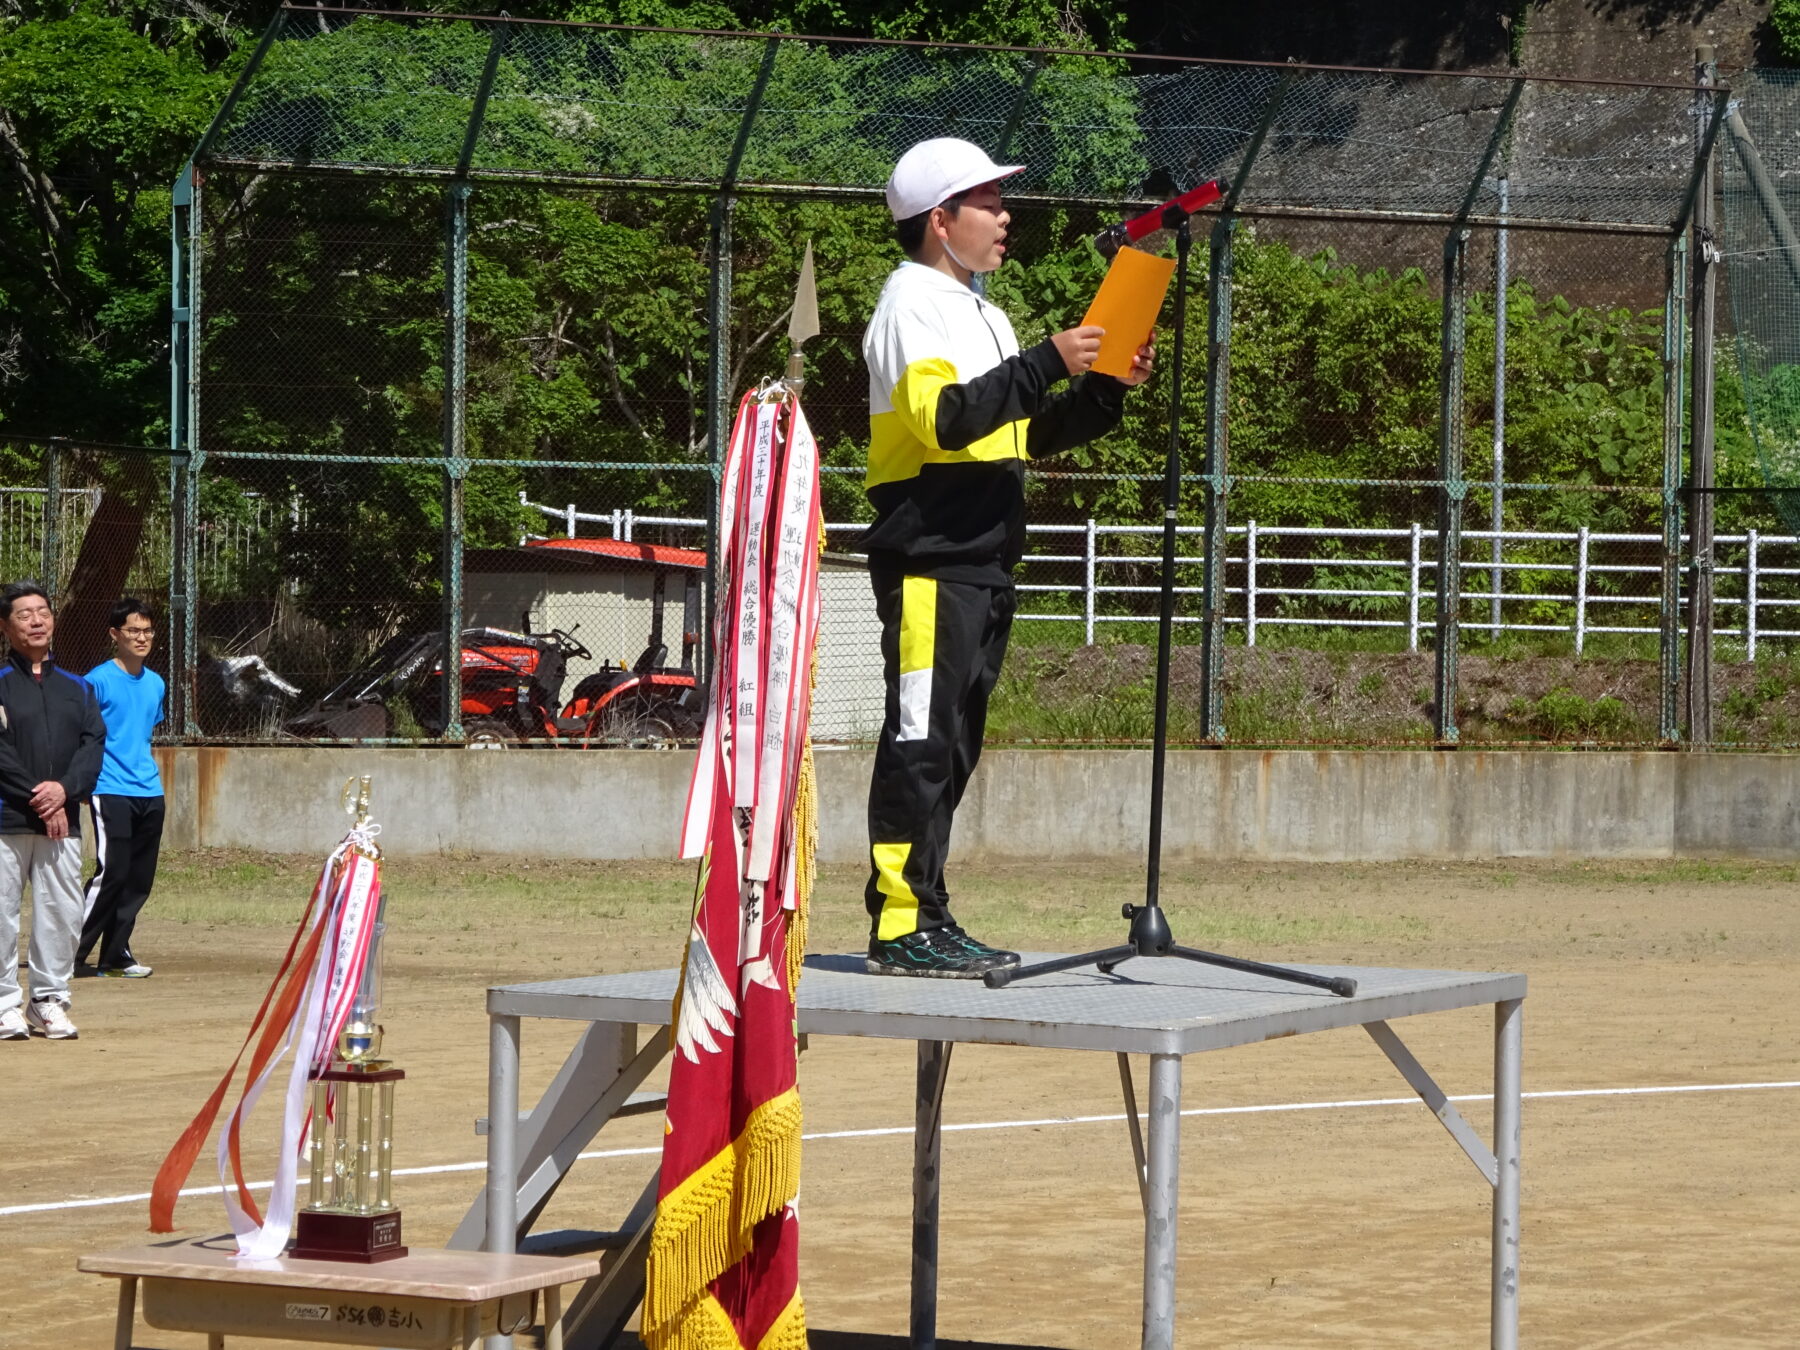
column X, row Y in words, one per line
column 462, row 307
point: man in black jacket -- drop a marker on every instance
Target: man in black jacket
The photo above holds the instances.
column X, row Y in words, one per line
column 51, row 743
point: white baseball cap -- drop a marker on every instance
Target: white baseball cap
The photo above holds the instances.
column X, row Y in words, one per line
column 935, row 170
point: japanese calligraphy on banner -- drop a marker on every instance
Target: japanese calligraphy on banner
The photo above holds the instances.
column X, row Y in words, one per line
column 723, row 1266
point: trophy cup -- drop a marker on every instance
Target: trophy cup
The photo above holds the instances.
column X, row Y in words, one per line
column 350, row 1213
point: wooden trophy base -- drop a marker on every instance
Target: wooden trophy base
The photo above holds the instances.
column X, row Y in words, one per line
column 367, row 1238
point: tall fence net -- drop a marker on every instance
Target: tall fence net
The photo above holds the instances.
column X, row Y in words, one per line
column 451, row 383
column 322, row 542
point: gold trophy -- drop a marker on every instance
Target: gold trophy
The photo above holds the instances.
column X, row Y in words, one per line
column 350, row 1213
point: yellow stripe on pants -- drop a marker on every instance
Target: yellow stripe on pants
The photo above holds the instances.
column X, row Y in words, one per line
column 900, row 910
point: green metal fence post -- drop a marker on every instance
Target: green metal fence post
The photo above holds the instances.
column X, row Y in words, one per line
column 1701, row 479
column 52, row 563
column 1675, row 413
column 1217, row 477
column 1014, row 118
column 718, row 404
column 455, row 477
column 455, row 462
column 184, row 399
column 718, row 331
column 1217, row 483
column 1453, row 488
column 185, row 471
column 252, row 68
column 1674, row 418
column 456, row 386
column 190, row 589
column 180, row 439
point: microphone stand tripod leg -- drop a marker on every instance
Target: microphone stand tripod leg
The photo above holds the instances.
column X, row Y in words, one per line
column 999, row 979
column 1336, row 984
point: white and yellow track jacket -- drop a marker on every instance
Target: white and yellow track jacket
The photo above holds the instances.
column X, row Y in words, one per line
column 955, row 411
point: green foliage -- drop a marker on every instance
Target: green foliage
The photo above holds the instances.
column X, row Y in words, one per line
column 1784, row 18
column 100, row 105
column 1562, row 715
column 95, row 117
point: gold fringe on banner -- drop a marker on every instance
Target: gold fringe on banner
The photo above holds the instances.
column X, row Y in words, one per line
column 806, row 840
column 806, row 864
column 702, row 1325
column 789, row 1330
column 703, row 1226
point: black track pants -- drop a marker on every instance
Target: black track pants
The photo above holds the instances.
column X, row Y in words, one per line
column 127, row 842
column 942, row 643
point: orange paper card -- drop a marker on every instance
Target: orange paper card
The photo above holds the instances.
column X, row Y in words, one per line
column 1126, row 306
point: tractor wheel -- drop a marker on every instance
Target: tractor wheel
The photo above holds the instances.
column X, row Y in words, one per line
column 487, row 733
column 635, row 723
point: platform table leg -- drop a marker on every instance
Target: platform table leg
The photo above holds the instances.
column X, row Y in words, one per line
column 215, row 1340
column 1162, row 1178
column 553, row 1318
column 502, row 1147
column 1134, row 1125
column 928, row 1141
column 1508, row 1072
column 127, row 1313
column 471, row 1333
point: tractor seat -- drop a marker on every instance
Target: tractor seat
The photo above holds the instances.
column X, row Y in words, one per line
column 655, row 657
column 570, row 726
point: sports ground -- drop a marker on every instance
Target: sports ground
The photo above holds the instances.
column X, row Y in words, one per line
column 1321, row 1206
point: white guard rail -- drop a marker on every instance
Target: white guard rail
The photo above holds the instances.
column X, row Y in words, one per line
column 1613, row 580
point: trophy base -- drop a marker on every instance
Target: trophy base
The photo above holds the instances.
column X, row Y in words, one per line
column 367, row 1238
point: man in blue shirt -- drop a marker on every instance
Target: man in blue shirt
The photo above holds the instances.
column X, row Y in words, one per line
column 128, row 800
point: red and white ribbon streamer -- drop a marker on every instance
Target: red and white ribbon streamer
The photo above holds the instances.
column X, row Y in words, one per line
column 766, row 630
column 305, row 1009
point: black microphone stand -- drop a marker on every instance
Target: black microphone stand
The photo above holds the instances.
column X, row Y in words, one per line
column 1149, row 934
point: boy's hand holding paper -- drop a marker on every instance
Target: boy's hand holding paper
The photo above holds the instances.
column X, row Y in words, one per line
column 1078, row 347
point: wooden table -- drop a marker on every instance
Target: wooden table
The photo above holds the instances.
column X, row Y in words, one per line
column 425, row 1300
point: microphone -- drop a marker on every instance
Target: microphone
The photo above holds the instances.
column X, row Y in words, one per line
column 1114, row 237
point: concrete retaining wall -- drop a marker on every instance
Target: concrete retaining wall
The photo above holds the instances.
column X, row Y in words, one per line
column 1323, row 806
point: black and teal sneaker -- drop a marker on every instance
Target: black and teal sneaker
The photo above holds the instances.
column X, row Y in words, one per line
column 940, row 954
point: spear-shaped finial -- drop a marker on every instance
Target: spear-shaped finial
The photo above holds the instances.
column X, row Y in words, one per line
column 804, row 322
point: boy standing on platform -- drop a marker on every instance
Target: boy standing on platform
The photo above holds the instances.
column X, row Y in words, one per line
column 128, row 801
column 955, row 412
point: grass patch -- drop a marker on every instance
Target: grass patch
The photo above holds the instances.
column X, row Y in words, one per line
column 1563, row 715
column 1672, row 872
column 227, row 889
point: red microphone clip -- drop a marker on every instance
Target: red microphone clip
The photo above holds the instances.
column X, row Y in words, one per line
column 1109, row 240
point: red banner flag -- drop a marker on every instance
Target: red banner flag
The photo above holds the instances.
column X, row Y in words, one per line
column 723, row 1266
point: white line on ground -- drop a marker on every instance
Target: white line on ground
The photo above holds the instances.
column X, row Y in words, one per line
column 885, row 1131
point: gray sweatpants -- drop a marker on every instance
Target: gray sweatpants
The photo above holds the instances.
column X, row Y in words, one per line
column 53, row 867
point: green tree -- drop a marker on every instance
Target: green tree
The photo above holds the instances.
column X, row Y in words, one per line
column 1784, row 18
column 95, row 117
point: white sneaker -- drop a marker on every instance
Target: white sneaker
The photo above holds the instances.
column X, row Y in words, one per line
column 51, row 1020
column 137, row 970
column 12, row 1025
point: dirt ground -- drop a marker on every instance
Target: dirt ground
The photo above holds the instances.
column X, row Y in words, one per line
column 1650, row 1219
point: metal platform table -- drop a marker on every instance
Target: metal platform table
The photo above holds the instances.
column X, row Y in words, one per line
column 1166, row 1009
